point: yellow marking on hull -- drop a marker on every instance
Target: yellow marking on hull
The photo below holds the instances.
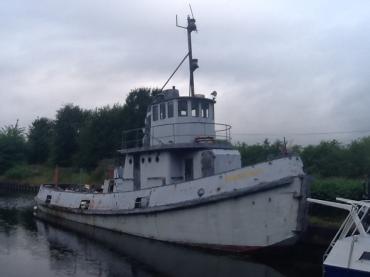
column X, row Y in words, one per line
column 243, row 175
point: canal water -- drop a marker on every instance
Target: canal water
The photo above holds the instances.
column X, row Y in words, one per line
column 31, row 247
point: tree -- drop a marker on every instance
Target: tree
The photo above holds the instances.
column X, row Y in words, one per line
column 39, row 140
column 68, row 123
column 101, row 135
column 326, row 159
column 359, row 158
column 256, row 153
column 137, row 103
column 12, row 146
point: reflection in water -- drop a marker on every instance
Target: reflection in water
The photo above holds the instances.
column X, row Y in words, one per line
column 30, row 247
column 165, row 258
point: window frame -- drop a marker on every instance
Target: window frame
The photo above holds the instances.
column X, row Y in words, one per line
column 205, row 110
column 180, row 107
column 162, row 111
column 170, row 109
column 155, row 109
column 195, row 104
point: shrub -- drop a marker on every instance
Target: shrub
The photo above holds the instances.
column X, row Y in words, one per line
column 19, row 173
column 330, row 188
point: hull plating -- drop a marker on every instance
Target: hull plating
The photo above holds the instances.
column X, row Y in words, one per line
column 237, row 224
column 244, row 215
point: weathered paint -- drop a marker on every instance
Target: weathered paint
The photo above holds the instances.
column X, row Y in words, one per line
column 181, row 192
column 247, row 173
column 265, row 216
column 256, row 220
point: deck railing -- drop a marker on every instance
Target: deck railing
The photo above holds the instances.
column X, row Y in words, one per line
column 221, row 133
column 356, row 223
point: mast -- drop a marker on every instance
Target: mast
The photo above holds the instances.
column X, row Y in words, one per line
column 193, row 63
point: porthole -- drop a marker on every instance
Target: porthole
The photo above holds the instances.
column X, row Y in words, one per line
column 130, row 161
column 157, row 159
column 149, row 159
column 201, row 192
column 142, row 160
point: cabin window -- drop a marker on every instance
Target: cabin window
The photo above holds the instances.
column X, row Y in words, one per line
column 194, row 108
column 205, row 110
column 155, row 112
column 170, row 109
column 162, row 111
column 183, row 107
column 365, row 256
column 211, row 111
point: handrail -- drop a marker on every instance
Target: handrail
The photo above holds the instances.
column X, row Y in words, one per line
column 354, row 222
column 138, row 137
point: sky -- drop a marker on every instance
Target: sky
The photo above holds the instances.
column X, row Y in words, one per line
column 294, row 69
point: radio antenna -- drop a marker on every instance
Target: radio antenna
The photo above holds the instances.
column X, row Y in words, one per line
column 191, row 10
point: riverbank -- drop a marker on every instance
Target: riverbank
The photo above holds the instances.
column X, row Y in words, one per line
column 19, row 187
column 41, row 174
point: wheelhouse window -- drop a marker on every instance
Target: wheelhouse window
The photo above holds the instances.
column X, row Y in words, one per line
column 365, row 256
column 183, row 107
column 205, row 109
column 170, row 109
column 162, row 111
column 155, row 113
column 194, row 107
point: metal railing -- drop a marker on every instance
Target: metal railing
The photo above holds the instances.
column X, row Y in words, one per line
column 356, row 223
column 221, row 133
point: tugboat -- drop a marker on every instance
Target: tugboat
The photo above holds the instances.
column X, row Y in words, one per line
column 181, row 181
column 349, row 252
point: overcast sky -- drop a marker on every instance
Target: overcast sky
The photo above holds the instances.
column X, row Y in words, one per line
column 281, row 68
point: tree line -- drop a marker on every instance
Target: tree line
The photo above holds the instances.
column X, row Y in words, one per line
column 76, row 137
column 81, row 138
column 327, row 159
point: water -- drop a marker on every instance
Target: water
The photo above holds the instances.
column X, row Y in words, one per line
column 30, row 247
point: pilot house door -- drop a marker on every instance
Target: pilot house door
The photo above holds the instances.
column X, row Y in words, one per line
column 136, row 172
column 188, row 169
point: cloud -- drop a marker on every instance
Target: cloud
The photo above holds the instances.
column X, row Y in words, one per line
column 281, row 67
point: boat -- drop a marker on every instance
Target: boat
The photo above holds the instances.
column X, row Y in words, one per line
column 349, row 252
column 180, row 180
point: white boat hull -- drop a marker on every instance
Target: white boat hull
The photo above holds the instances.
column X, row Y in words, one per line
column 347, row 258
column 260, row 214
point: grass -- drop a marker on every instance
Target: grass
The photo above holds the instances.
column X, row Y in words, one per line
column 28, row 174
column 329, row 189
column 41, row 174
column 326, row 221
